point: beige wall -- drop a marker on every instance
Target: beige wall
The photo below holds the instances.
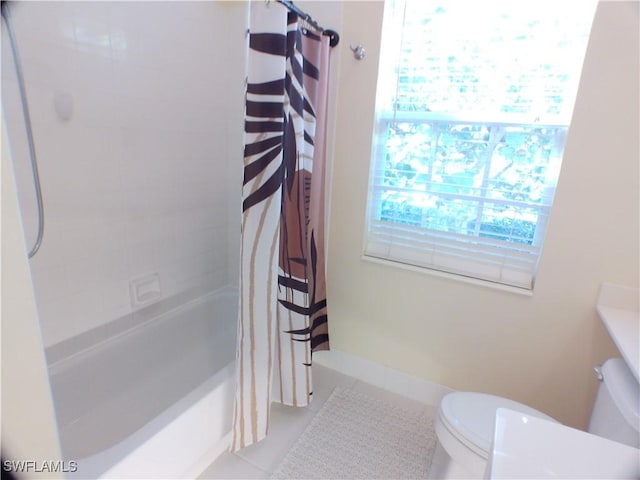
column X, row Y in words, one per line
column 538, row 349
column 28, row 422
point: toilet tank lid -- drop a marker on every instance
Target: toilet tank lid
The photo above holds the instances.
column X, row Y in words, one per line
column 623, row 389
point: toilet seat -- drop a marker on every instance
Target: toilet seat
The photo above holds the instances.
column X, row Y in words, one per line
column 470, row 418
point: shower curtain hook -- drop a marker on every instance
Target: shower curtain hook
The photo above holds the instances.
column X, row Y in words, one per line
column 358, row 51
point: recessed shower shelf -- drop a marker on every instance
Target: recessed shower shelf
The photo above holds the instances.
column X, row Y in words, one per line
column 145, row 290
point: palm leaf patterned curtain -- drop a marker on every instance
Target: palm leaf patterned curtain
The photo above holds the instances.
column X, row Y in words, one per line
column 283, row 307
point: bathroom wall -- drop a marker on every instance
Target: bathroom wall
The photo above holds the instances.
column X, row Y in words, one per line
column 28, row 420
column 143, row 177
column 536, row 349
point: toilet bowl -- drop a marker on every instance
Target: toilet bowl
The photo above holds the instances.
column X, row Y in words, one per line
column 464, row 427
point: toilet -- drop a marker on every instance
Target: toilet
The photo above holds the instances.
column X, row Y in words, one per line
column 465, row 422
column 464, row 427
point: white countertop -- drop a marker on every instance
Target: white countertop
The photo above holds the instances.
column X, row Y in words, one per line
column 619, row 311
column 624, row 328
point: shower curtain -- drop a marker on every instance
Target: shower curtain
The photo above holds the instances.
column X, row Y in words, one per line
column 283, row 307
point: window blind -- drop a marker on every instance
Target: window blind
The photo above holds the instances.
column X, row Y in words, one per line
column 470, row 134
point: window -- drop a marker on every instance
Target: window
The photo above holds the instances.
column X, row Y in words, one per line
column 472, row 110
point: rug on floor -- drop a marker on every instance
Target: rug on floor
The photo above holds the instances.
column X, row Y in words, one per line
column 355, row 435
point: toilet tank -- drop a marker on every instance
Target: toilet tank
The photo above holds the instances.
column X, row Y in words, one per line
column 616, row 411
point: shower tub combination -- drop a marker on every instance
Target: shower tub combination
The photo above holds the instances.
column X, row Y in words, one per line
column 148, row 395
column 154, row 401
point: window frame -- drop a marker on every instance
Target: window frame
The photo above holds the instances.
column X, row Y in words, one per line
column 387, row 116
column 384, row 121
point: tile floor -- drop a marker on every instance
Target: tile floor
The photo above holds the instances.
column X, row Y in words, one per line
column 287, row 423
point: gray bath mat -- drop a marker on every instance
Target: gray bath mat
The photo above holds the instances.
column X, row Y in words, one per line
column 355, row 435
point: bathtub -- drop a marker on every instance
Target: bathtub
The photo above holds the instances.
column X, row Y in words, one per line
column 154, row 401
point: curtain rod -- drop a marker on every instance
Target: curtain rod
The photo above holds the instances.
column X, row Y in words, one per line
column 334, row 38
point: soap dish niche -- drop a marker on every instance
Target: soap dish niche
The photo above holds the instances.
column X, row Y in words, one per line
column 145, row 290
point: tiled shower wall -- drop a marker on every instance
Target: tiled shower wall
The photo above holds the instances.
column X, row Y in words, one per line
column 144, row 175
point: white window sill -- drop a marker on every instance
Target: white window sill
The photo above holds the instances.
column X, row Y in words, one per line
column 450, row 276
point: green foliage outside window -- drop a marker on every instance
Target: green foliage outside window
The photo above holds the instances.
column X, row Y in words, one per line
column 473, row 179
column 513, row 68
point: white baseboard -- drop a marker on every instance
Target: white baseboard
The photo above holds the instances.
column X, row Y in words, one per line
column 383, row 377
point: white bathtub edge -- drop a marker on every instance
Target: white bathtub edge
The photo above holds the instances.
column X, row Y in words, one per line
column 200, row 430
column 205, row 461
